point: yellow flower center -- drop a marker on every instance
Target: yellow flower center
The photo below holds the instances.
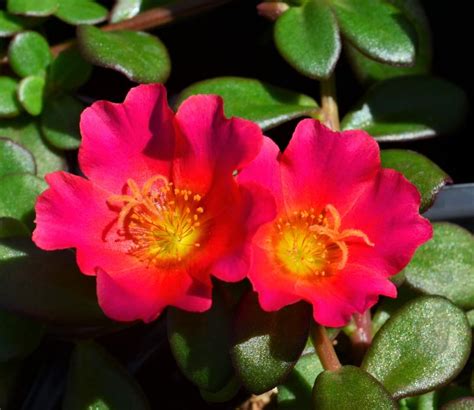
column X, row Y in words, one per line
column 309, row 244
column 162, row 221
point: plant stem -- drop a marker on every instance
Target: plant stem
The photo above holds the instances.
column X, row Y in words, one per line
column 329, row 103
column 324, row 348
column 361, row 338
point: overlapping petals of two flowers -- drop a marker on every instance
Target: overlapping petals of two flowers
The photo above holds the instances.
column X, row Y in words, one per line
column 162, row 210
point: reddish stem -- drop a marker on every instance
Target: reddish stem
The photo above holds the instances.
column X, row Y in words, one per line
column 325, row 348
column 362, row 336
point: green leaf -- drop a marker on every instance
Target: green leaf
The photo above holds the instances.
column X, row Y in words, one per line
column 408, row 108
column 466, row 403
column 97, row 381
column 200, row 344
column 10, row 24
column 68, row 71
column 28, row 54
column 378, row 29
column 18, row 196
column 267, row 345
column 9, row 104
column 254, row 100
column 422, row 346
column 60, row 122
column 46, row 286
column 445, row 265
column 470, row 317
column 228, row 392
column 295, row 392
column 141, row 57
column 124, row 10
column 14, row 159
column 419, row 170
column 19, row 336
column 350, row 388
column 81, row 12
column 26, row 132
column 13, row 228
column 35, row 8
column 30, row 94
column 370, row 71
column 308, row 38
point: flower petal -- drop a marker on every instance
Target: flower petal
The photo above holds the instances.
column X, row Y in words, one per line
column 321, row 167
column 211, row 146
column 134, row 139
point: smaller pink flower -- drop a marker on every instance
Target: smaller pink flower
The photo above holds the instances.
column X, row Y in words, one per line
column 344, row 224
column 161, row 210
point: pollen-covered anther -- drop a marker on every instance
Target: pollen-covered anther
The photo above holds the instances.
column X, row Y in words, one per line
column 310, row 244
column 160, row 220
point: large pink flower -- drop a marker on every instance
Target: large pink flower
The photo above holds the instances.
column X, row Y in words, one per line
column 343, row 223
column 160, row 210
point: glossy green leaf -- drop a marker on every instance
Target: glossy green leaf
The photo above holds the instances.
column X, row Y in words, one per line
column 350, row 388
column 9, row 104
column 15, row 159
column 26, row 132
column 408, row 108
column 19, row 336
column 30, row 94
column 97, row 381
column 124, row 10
column 36, row 8
column 470, row 317
column 200, row 344
column 13, row 228
column 369, row 70
column 308, row 38
column 465, row 403
column 422, row 346
column 28, row 54
column 267, row 345
column 295, row 392
column 47, row 286
column 139, row 56
column 265, row 104
column 378, row 29
column 427, row 401
column 60, row 122
column 18, row 196
column 10, row 24
column 419, row 170
column 81, row 12
column 445, row 265
column 68, row 71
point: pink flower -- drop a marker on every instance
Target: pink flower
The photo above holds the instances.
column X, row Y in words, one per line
column 160, row 210
column 343, row 224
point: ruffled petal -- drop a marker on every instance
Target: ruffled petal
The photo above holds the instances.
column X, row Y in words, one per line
column 211, row 146
column 134, row 139
column 321, row 167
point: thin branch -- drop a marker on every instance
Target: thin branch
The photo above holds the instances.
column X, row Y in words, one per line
column 329, row 103
column 324, row 348
column 361, row 338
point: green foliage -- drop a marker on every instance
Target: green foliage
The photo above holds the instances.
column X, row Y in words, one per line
column 15, row 159
column 81, row 12
column 9, row 104
column 35, row 8
column 30, row 94
column 28, row 54
column 68, row 71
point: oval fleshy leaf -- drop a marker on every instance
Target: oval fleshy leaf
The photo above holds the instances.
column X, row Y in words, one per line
column 254, row 100
column 378, row 29
column 140, row 56
column 77, row 12
column 200, row 344
column 18, row 196
column 445, row 265
column 465, row 403
column 308, row 38
column 15, row 159
column 124, row 10
column 419, row 170
column 30, row 94
column 409, row 108
column 295, row 392
column 35, row 8
column 9, row 104
column 13, row 228
column 28, row 54
column 19, row 336
column 26, row 132
column 267, row 345
column 60, row 122
column 228, row 392
column 350, row 388
column 96, row 380
column 422, row 346
column 10, row 24
column 46, row 285
column 370, row 71
column 68, row 71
